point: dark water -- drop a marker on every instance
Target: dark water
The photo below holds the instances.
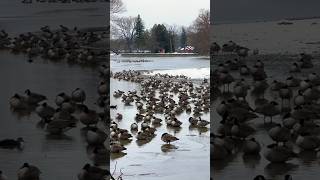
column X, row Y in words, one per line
column 59, row 158
column 16, row 17
column 232, row 11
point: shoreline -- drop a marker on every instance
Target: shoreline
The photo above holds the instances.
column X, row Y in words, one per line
column 161, row 55
column 294, row 19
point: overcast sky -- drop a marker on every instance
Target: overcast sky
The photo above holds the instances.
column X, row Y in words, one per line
column 252, row 10
column 179, row 12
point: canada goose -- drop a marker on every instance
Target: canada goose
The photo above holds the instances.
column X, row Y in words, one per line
column 285, row 93
column 234, row 65
column 259, row 64
column 103, row 88
column 34, row 98
column 93, row 173
column 78, row 95
column 18, row 102
column 306, row 61
column 2, row 176
column 244, row 70
column 167, row 138
column 88, row 117
column 279, row 133
column 28, row 172
column 299, row 99
column 202, row 123
column 288, row 121
column 124, row 136
column 214, row 48
column 292, row 82
column 11, row 143
column 113, row 106
column 240, row 91
column 258, row 74
column 295, row 68
column 241, row 130
column 311, row 94
column 68, row 106
column 222, row 108
column 304, row 126
column 142, row 136
column 61, row 97
column 276, row 85
column 134, row 127
column 288, row 177
column 116, row 147
column 59, row 126
column 119, row 116
column 259, row 88
column 278, row 154
column 99, row 155
column 226, row 79
column 95, row 136
column 269, row 110
column 307, row 141
column 45, row 111
column 251, row 146
column 227, row 142
column 193, row 121
column 156, row 121
column 259, row 177
column 314, row 78
column 304, row 84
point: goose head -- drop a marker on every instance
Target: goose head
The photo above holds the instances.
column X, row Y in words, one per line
column 25, row 165
column 259, row 177
column 27, row 91
column 288, row 177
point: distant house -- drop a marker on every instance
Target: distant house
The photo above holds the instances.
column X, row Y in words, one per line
column 187, row 49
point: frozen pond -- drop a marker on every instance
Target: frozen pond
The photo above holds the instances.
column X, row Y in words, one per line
column 152, row 161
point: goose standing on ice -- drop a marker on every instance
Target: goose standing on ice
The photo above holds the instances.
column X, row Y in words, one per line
column 28, row 172
column 11, row 143
column 93, row 173
column 251, row 146
column 167, row 138
column 34, row 98
column 78, row 95
column 278, row 154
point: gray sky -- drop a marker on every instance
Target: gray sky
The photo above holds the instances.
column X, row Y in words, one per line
column 179, row 12
column 252, row 10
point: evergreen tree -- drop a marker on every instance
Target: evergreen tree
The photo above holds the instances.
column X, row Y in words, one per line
column 162, row 38
column 140, row 32
column 183, row 38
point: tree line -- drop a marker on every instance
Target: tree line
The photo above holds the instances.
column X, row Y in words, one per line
column 129, row 34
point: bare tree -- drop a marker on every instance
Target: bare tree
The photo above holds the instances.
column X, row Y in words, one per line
column 116, row 7
column 173, row 31
column 124, row 28
column 199, row 32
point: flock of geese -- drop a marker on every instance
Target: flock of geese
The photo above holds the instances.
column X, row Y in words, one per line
column 61, row 44
column 160, row 100
column 230, row 47
column 243, row 94
column 68, row 112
